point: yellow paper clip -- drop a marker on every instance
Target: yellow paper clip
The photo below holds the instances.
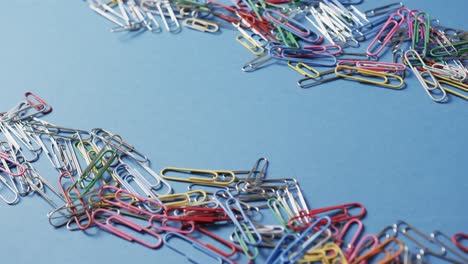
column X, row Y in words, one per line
column 200, row 24
column 304, row 69
column 184, row 199
column 250, row 44
column 377, row 78
column 329, row 253
column 206, row 177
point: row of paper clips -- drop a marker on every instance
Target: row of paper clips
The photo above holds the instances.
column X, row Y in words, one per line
column 106, row 183
column 310, row 34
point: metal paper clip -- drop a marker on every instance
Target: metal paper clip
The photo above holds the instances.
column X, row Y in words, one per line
column 430, row 90
column 436, row 235
column 229, row 203
column 381, row 10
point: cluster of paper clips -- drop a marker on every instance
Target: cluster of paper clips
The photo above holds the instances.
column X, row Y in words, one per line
column 306, row 35
column 104, row 182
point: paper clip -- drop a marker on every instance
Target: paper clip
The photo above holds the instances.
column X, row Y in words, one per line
column 436, row 235
column 106, row 138
column 298, row 248
column 38, row 103
column 210, row 176
column 5, row 159
column 200, row 24
column 381, row 66
column 329, row 49
column 381, row 10
column 304, row 69
column 229, row 203
column 100, row 163
column 372, row 77
column 310, row 82
column 393, row 23
column 169, row 236
column 424, row 242
column 167, row 224
column 113, row 218
column 183, row 199
column 329, row 253
column 459, row 47
column 232, row 247
column 73, row 206
column 447, row 81
column 161, row 187
column 15, row 197
column 337, row 213
column 130, row 201
column 389, row 254
column 309, row 57
column 430, row 90
column 349, row 246
column 421, row 32
column 293, row 26
column 456, row 241
column 368, row 241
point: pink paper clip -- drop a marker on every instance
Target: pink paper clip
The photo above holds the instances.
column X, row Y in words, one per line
column 330, row 49
column 184, row 227
column 38, row 103
column 7, row 159
column 344, row 231
column 74, row 211
column 118, row 219
column 393, row 24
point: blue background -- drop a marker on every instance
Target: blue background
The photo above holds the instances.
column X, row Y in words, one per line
column 183, row 100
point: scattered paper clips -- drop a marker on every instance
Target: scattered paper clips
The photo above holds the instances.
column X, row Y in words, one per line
column 104, row 182
column 311, row 35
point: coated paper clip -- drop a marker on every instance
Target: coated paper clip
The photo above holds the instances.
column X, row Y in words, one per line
column 298, row 246
column 169, row 238
column 110, row 225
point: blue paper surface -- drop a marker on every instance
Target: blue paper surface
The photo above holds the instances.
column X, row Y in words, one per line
column 184, row 101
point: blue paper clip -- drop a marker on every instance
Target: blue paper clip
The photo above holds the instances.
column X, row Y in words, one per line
column 350, row 2
column 297, row 249
column 286, row 240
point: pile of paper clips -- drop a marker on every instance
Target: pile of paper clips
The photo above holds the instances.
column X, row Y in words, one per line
column 105, row 182
column 296, row 33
